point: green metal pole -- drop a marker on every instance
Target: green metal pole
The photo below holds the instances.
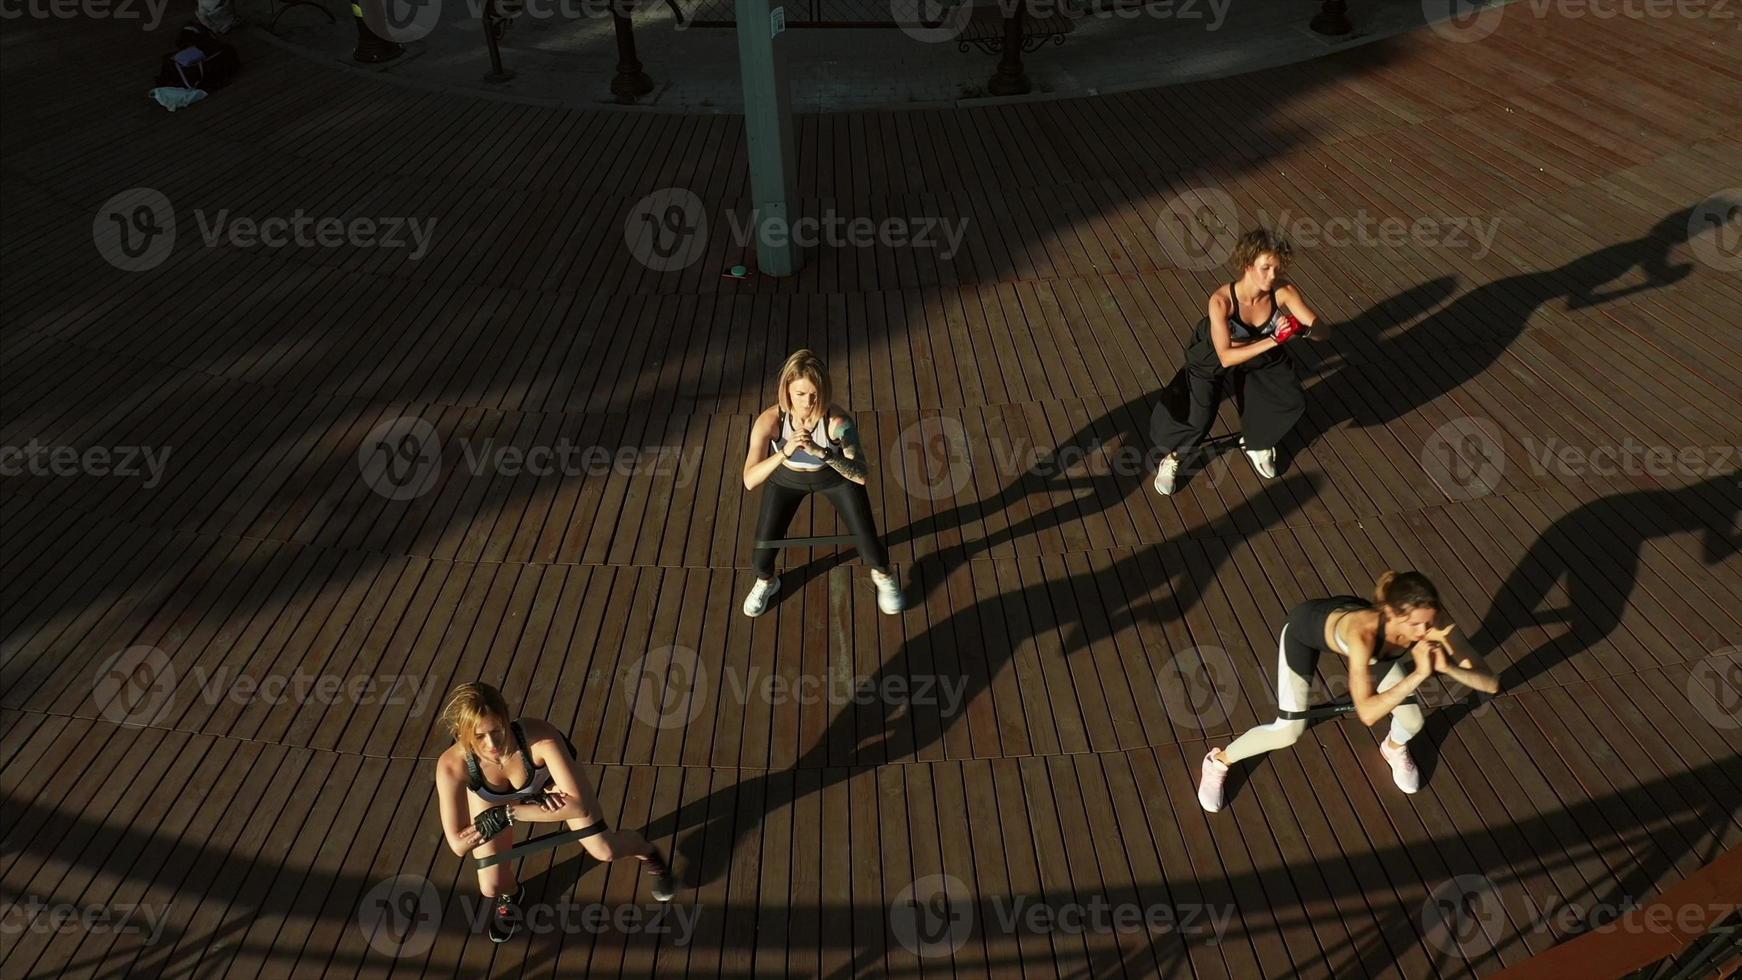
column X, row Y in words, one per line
column 768, row 133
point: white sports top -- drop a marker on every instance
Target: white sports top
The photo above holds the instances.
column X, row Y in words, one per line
column 803, row 461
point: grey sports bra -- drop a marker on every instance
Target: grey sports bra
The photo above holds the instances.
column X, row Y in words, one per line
column 1239, row 329
column 535, row 783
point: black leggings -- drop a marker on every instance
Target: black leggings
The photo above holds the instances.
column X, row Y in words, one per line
column 781, row 496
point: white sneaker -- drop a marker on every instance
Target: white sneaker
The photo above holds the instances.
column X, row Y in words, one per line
column 1263, row 460
column 1167, row 474
column 761, row 596
column 888, row 592
column 1403, row 770
column 1210, row 783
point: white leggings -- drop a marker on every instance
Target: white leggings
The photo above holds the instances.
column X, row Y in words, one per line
column 1292, row 691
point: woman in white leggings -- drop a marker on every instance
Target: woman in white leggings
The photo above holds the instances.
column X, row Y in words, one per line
column 1403, row 618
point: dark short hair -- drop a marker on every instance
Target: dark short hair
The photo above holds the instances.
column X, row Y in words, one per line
column 1258, row 242
column 1406, row 591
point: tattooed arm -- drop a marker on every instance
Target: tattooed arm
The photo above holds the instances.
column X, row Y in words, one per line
column 846, row 457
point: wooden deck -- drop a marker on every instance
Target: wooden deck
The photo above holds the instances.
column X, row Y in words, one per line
column 1099, row 636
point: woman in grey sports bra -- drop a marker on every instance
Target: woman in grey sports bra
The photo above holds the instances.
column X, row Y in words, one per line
column 500, row 772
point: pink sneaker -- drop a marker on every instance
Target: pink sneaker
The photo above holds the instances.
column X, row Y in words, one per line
column 1403, row 770
column 1210, row 785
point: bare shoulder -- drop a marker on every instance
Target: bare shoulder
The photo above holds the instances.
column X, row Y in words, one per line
column 839, row 420
column 1219, row 302
column 765, row 422
column 451, row 765
column 1288, row 291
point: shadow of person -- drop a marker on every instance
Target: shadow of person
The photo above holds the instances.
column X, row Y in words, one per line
column 1108, row 460
column 1379, row 377
column 1595, row 550
column 980, row 641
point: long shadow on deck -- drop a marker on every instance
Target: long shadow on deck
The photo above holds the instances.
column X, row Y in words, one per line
column 1674, row 832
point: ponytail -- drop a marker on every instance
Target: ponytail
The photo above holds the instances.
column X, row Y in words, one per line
column 1405, row 591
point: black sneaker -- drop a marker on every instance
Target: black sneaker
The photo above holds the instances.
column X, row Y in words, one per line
column 664, row 885
column 505, row 917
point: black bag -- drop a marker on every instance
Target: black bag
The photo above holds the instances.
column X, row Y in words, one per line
column 200, row 60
